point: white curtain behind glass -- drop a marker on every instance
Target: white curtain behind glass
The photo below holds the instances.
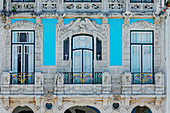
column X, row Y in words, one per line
column 147, row 58
column 136, row 58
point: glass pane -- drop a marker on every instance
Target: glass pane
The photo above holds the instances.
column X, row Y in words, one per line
column 141, row 37
column 87, row 61
column 77, row 66
column 147, row 1
column 22, row 37
column 136, row 58
column 135, row 1
column 29, row 59
column 82, row 42
column 147, row 58
column 16, row 58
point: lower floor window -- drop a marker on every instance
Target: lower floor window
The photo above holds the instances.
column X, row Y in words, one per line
column 22, row 57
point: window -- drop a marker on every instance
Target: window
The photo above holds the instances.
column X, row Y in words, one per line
column 82, row 57
column 66, row 49
column 98, row 49
column 22, row 57
column 142, row 56
column 22, row 0
column 82, row 1
column 141, row 1
column 82, row 54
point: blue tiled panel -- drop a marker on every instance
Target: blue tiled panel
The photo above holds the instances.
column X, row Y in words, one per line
column 49, row 42
column 68, row 20
column 135, row 20
column 98, row 21
column 115, row 42
column 18, row 19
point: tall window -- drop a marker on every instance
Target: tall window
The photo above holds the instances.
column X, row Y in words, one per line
column 22, row 57
column 98, row 49
column 23, row 0
column 66, row 49
column 82, row 57
column 141, row 1
column 142, row 56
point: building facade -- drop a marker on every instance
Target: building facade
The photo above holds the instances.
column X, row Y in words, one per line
column 84, row 56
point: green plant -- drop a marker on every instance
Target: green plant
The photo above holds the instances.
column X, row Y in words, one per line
column 13, row 10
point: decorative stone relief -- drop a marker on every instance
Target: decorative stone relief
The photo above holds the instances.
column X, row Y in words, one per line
column 5, row 78
column 82, row 6
column 106, row 78
column 38, row 78
column 49, row 4
column 23, row 6
column 127, row 78
column 159, row 78
column 82, row 25
column 60, row 78
column 141, row 6
column 23, row 24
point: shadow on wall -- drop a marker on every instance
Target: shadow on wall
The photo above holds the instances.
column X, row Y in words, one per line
column 143, row 109
column 24, row 109
column 80, row 109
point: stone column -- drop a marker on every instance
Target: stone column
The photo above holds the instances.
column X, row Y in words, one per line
column 38, row 8
column 1, row 5
column 105, row 5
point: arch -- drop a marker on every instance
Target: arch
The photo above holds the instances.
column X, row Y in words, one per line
column 23, row 109
column 139, row 109
column 82, row 109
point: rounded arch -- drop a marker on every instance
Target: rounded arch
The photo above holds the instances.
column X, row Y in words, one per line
column 23, row 105
column 141, row 109
column 22, row 109
column 71, row 105
column 82, row 109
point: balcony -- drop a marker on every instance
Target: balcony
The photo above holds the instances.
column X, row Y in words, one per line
column 142, row 7
column 143, row 87
column 22, row 6
column 88, row 6
column 97, row 83
column 21, row 84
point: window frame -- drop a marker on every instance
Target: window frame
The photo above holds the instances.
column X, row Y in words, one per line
column 23, row 44
column 141, row 56
column 141, row 1
column 82, row 52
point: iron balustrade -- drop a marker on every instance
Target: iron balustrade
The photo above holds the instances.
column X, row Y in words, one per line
column 142, row 78
column 82, row 78
column 22, row 78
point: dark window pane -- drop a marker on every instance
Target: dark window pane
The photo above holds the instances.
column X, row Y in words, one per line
column 147, row 1
column 23, row 37
column 66, row 49
column 98, row 49
column 79, row 111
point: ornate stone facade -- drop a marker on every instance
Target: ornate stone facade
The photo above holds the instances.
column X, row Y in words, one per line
column 116, row 93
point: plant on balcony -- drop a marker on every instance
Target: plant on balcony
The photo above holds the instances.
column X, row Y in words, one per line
column 13, row 10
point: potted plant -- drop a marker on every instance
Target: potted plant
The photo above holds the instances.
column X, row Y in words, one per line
column 13, row 10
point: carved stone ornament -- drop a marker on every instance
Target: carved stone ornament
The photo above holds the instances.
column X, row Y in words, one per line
column 82, row 25
column 23, row 24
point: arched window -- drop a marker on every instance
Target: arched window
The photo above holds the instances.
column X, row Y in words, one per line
column 82, row 58
column 143, row 109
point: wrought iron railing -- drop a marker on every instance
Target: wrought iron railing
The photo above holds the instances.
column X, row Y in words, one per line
column 142, row 78
column 82, row 78
column 22, row 78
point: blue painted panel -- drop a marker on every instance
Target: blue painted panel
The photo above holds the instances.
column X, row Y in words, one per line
column 68, row 20
column 149, row 20
column 49, row 42
column 98, row 21
column 115, row 42
column 18, row 19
